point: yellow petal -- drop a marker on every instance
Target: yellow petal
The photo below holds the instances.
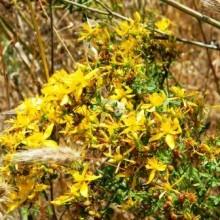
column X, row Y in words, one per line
column 170, row 141
column 84, row 190
column 91, row 177
column 62, row 199
column 179, row 92
column 151, row 176
column 48, row 131
column 137, row 17
column 163, row 25
column 156, row 137
column 13, row 206
column 49, row 143
column 65, row 100
column 157, row 99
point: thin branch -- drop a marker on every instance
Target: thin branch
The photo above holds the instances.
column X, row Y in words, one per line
column 62, row 214
column 39, row 40
column 104, row 6
column 164, row 35
column 193, row 13
column 6, row 79
column 10, row 33
column 51, row 37
column 51, row 199
column 58, row 35
column 97, row 10
column 216, row 80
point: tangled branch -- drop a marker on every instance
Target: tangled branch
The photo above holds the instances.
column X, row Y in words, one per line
column 164, row 36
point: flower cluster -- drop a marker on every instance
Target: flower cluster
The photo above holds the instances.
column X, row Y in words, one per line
column 121, row 134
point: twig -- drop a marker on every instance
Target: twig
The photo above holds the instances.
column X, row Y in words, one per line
column 62, row 214
column 7, row 89
column 183, row 40
column 51, row 37
column 58, row 35
column 97, row 10
column 39, row 40
column 209, row 56
column 104, row 6
column 193, row 13
column 12, row 36
column 10, row 33
column 165, row 36
column 51, row 199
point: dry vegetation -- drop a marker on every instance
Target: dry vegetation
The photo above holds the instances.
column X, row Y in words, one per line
column 22, row 74
column 38, row 39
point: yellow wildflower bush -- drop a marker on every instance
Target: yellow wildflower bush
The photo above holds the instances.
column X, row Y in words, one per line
column 114, row 132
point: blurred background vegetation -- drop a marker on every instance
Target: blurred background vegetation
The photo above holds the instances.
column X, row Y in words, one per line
column 30, row 50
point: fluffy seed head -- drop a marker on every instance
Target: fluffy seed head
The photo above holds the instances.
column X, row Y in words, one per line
column 60, row 155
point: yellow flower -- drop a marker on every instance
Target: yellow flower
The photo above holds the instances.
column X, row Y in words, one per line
column 167, row 187
column 111, row 126
column 157, row 99
column 154, row 165
column 179, row 92
column 118, row 157
column 94, row 32
column 80, row 186
column 27, row 112
column 122, row 93
column 123, row 28
column 12, row 140
column 82, row 181
column 78, row 81
column 56, row 89
column 115, row 158
column 40, row 139
column 169, row 128
column 88, row 31
column 163, row 25
column 129, row 45
column 61, row 84
column 134, row 121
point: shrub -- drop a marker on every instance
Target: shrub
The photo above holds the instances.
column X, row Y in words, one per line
column 113, row 136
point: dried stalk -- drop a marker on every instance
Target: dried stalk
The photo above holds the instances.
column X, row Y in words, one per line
column 39, row 40
column 51, row 36
column 6, row 79
column 58, row 35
